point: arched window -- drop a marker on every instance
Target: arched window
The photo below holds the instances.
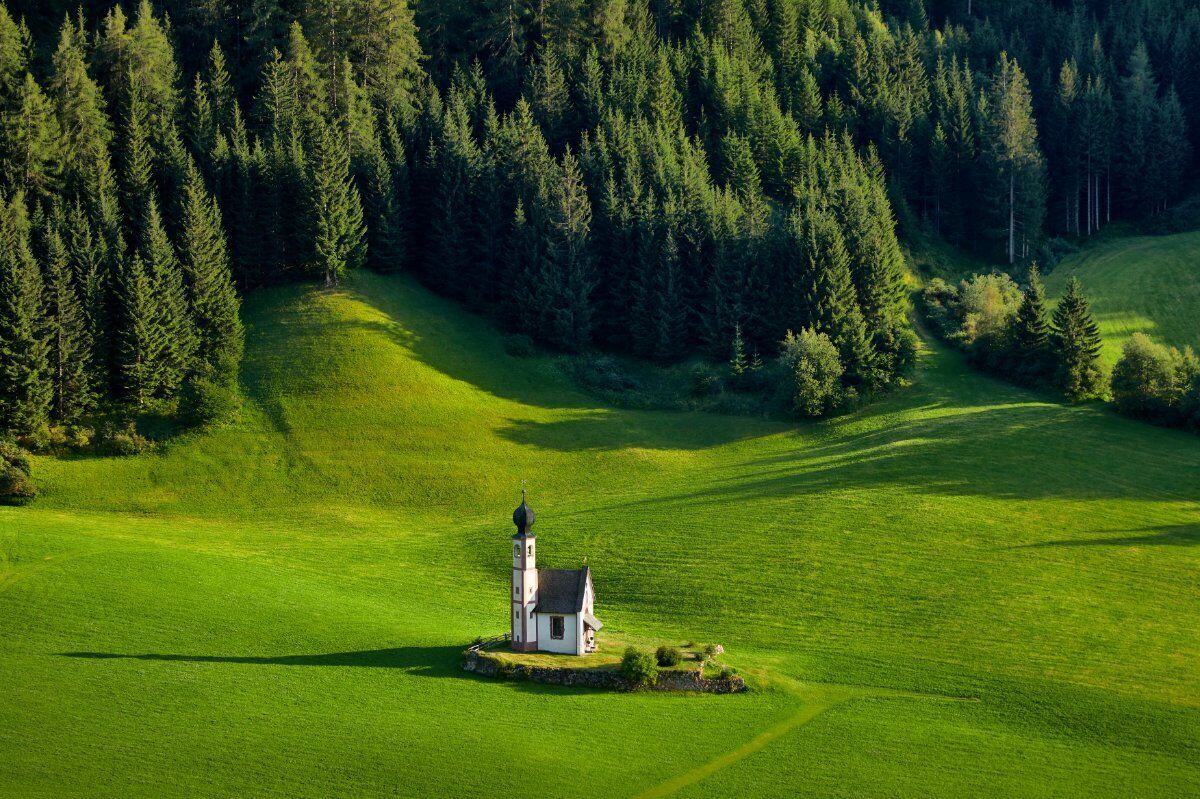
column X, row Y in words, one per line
column 529, row 552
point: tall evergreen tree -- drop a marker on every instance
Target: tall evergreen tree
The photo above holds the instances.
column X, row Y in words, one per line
column 68, row 336
column 1031, row 331
column 25, row 387
column 213, row 301
column 1075, row 341
column 30, row 143
column 140, row 340
column 1015, row 160
column 339, row 238
column 571, row 251
column 171, row 315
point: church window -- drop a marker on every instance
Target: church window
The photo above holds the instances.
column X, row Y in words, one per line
column 516, row 550
column 529, row 551
column 557, row 627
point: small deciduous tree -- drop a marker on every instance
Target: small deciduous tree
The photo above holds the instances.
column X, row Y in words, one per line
column 812, row 371
column 1150, row 380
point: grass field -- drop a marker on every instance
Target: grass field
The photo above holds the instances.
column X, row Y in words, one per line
column 1148, row 284
column 962, row 591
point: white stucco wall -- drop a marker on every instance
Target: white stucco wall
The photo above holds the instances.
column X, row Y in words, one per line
column 569, row 644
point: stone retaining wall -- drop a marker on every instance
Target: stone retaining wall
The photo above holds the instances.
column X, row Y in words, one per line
column 480, row 662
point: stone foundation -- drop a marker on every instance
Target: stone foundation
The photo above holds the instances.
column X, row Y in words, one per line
column 477, row 661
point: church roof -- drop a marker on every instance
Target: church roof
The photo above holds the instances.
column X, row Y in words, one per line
column 561, row 590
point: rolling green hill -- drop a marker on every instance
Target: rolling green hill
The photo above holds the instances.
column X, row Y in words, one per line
column 1148, row 284
column 962, row 591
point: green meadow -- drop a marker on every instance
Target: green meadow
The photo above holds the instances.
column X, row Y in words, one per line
column 1139, row 284
column 963, row 590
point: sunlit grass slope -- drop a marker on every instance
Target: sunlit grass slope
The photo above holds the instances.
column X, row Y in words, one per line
column 961, row 591
column 1148, row 284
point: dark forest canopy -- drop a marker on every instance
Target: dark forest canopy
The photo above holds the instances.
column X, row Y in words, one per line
column 651, row 176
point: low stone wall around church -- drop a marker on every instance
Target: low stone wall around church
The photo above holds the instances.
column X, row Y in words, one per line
column 479, row 662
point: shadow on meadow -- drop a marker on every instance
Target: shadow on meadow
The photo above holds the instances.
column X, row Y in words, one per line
column 432, row 660
column 424, row 661
column 1173, row 535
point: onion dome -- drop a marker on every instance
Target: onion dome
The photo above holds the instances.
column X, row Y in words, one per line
column 523, row 517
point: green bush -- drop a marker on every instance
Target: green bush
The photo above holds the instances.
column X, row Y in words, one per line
column 710, row 651
column 668, row 656
column 639, row 668
column 813, row 373
column 16, row 486
column 122, row 438
column 1151, row 380
column 206, row 401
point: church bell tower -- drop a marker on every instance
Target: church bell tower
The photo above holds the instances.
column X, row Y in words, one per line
column 524, row 580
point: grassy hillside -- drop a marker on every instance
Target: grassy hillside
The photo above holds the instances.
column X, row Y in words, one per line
column 1148, row 284
column 963, row 590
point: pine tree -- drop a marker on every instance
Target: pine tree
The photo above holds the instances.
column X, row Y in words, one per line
column 171, row 315
column 572, row 258
column 68, row 335
column 30, row 144
column 25, row 387
column 86, row 134
column 213, row 301
column 15, row 46
column 140, row 340
column 93, row 274
column 1031, row 332
column 1075, row 341
column 21, row 328
column 136, row 160
column 339, row 237
column 829, row 295
column 1138, row 99
column 1014, row 159
column 737, row 360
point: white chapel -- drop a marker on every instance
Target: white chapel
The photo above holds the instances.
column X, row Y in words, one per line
column 552, row 609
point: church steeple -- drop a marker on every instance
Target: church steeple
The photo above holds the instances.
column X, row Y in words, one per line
column 524, row 578
column 523, row 517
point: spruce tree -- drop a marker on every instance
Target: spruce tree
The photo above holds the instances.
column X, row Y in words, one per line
column 136, row 159
column 67, row 334
column 572, row 258
column 30, row 143
column 171, row 316
column 93, row 275
column 140, row 340
column 339, row 237
column 1014, row 160
column 86, row 133
column 1031, row 331
column 213, row 301
column 25, row 387
column 1075, row 341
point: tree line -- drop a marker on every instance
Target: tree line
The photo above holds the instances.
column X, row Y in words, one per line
column 1006, row 329
column 648, row 176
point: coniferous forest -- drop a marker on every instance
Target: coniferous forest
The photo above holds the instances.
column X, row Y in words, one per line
column 654, row 177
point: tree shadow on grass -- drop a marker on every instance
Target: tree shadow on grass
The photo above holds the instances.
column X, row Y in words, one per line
column 423, row 661
column 435, row 661
column 1171, row 535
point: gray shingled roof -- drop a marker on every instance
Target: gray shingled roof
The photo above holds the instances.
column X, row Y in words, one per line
column 561, row 590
